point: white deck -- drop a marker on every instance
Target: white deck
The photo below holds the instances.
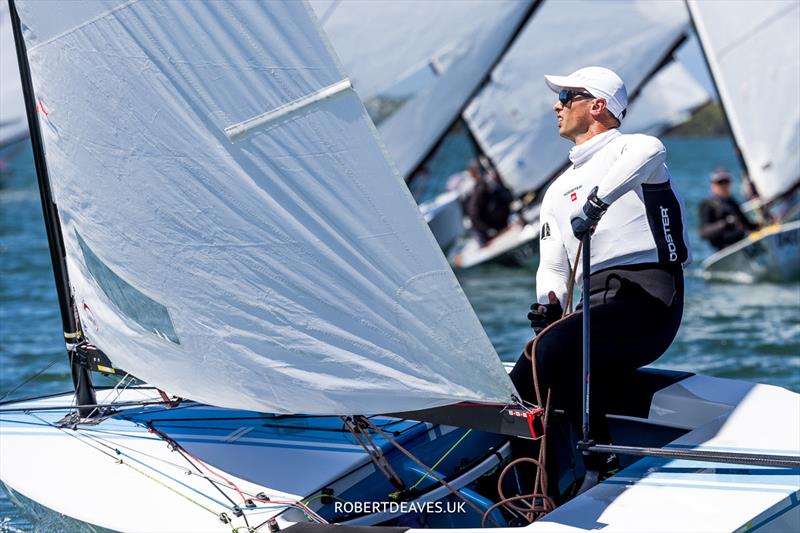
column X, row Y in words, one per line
column 658, row 495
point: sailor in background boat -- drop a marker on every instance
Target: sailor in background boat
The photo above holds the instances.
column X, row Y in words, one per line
column 489, row 205
column 722, row 222
column 464, row 182
column 618, row 187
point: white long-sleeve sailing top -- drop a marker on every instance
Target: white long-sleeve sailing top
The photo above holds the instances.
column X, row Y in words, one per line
column 644, row 223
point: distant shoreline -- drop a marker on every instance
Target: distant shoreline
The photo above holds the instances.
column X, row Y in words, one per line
column 707, row 121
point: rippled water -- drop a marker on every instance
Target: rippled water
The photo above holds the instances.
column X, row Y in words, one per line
column 747, row 332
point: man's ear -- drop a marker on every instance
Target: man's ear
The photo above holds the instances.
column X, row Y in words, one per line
column 598, row 106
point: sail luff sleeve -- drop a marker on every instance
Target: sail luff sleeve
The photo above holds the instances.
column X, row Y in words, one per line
column 81, row 378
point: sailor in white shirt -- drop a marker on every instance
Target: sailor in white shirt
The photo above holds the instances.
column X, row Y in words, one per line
column 619, row 188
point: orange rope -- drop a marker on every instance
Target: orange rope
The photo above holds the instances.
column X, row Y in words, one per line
column 540, row 504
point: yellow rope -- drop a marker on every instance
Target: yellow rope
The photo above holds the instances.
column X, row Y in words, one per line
column 442, row 458
column 148, row 476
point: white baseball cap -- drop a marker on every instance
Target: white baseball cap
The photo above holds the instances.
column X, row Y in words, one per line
column 600, row 81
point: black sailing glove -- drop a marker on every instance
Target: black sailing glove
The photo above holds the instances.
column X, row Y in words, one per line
column 585, row 221
column 540, row 319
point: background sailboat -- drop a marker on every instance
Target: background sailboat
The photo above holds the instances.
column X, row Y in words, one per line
column 751, row 49
column 508, row 117
column 422, row 62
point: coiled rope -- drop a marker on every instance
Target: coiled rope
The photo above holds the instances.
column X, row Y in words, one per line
column 538, row 503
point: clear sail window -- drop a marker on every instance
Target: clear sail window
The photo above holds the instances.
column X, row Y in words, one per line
column 131, row 302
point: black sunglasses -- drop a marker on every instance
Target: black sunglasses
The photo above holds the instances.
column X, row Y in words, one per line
column 565, row 96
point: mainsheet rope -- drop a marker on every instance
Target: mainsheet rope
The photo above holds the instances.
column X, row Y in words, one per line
column 538, row 503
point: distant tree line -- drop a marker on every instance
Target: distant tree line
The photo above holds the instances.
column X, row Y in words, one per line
column 706, row 121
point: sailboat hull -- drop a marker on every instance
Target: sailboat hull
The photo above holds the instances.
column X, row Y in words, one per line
column 119, row 475
column 516, row 246
column 190, row 467
column 771, row 254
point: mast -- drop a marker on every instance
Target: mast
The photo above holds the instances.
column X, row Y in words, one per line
column 513, row 37
column 81, row 378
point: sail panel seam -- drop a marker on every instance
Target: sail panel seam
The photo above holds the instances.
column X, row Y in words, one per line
column 79, row 26
column 237, row 132
column 755, row 30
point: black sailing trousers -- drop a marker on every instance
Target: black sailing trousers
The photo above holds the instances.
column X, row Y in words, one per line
column 636, row 312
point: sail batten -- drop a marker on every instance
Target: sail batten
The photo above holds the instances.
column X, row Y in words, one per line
column 236, row 132
column 288, row 272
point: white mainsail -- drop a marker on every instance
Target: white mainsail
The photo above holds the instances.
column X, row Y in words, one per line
column 512, row 115
column 13, row 121
column 751, row 47
column 416, row 63
column 665, row 102
column 234, row 233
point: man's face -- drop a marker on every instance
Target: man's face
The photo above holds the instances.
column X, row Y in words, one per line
column 574, row 117
column 721, row 188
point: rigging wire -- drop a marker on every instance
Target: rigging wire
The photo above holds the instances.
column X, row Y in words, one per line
column 118, row 460
column 31, row 378
column 72, row 405
column 299, row 505
column 174, row 445
column 113, row 391
column 215, row 483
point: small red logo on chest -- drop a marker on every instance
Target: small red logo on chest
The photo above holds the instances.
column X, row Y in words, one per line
column 573, row 196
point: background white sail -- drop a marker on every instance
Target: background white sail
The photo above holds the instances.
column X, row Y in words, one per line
column 666, row 101
column 511, row 118
column 289, row 271
column 13, row 122
column 751, row 48
column 415, row 63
